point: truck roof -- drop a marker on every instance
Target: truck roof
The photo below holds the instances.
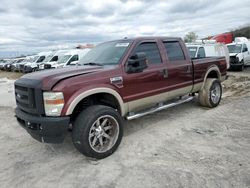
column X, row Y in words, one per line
column 148, row 38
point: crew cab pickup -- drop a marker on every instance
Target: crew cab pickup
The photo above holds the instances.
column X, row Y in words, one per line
column 115, row 81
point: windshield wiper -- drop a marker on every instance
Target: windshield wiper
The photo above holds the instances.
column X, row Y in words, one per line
column 92, row 63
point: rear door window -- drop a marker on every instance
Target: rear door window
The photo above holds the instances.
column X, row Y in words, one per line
column 174, row 51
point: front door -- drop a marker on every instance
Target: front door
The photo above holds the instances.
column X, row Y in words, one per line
column 142, row 89
column 246, row 54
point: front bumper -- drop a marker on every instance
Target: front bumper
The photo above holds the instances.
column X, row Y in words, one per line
column 27, row 69
column 44, row 129
column 234, row 62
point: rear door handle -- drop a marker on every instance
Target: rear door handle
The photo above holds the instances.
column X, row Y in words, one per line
column 164, row 72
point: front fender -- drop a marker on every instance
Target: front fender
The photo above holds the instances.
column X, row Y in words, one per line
column 240, row 56
column 81, row 94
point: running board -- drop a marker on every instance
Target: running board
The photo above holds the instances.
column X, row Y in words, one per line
column 160, row 107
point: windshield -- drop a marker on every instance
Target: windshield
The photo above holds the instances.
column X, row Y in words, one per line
column 192, row 51
column 19, row 60
column 108, row 53
column 235, row 48
column 48, row 58
column 64, row 59
column 33, row 59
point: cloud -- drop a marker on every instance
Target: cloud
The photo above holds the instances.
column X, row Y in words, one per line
column 31, row 26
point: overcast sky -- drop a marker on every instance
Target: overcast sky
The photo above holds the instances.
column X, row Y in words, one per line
column 35, row 25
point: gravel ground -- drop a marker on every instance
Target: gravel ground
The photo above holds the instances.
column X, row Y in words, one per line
column 185, row 146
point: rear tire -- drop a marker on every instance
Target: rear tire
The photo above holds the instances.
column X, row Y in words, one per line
column 97, row 131
column 210, row 95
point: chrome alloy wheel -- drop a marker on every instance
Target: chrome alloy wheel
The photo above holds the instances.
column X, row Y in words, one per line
column 103, row 133
column 215, row 93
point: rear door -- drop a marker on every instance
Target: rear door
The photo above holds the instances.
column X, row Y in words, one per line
column 179, row 68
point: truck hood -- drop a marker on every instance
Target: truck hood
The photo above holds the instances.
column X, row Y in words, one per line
column 233, row 54
column 51, row 77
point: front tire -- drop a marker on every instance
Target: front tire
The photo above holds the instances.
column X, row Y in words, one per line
column 34, row 69
column 242, row 66
column 97, row 131
column 210, row 95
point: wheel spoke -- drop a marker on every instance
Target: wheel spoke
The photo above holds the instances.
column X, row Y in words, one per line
column 107, row 128
column 98, row 122
column 104, row 122
column 106, row 136
column 94, row 141
column 91, row 135
column 101, row 141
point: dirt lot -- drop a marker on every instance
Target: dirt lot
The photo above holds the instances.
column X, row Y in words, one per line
column 185, row 146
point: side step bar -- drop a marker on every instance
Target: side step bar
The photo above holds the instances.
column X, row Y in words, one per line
column 160, row 107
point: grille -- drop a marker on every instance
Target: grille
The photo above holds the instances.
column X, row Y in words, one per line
column 47, row 66
column 233, row 60
column 21, row 67
column 25, row 99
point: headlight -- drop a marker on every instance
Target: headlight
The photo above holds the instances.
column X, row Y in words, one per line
column 53, row 103
column 237, row 59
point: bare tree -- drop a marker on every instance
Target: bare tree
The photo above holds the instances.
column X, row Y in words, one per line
column 190, row 37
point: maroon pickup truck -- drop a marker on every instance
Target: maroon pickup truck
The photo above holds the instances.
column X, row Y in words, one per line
column 117, row 80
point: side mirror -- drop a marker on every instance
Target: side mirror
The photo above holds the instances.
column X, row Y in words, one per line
column 244, row 50
column 137, row 63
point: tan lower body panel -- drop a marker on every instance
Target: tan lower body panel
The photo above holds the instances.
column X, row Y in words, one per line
column 197, row 87
column 147, row 102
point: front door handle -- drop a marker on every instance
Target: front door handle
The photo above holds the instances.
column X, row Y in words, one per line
column 117, row 81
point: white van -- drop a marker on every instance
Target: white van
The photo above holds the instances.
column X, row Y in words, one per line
column 36, row 62
column 239, row 54
column 208, row 49
column 28, row 59
column 52, row 59
column 69, row 58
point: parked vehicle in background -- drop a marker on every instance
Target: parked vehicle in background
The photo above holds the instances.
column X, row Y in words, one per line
column 119, row 79
column 28, row 59
column 2, row 63
column 208, row 48
column 53, row 58
column 69, row 58
column 15, row 66
column 225, row 38
column 37, row 61
column 239, row 52
column 7, row 66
